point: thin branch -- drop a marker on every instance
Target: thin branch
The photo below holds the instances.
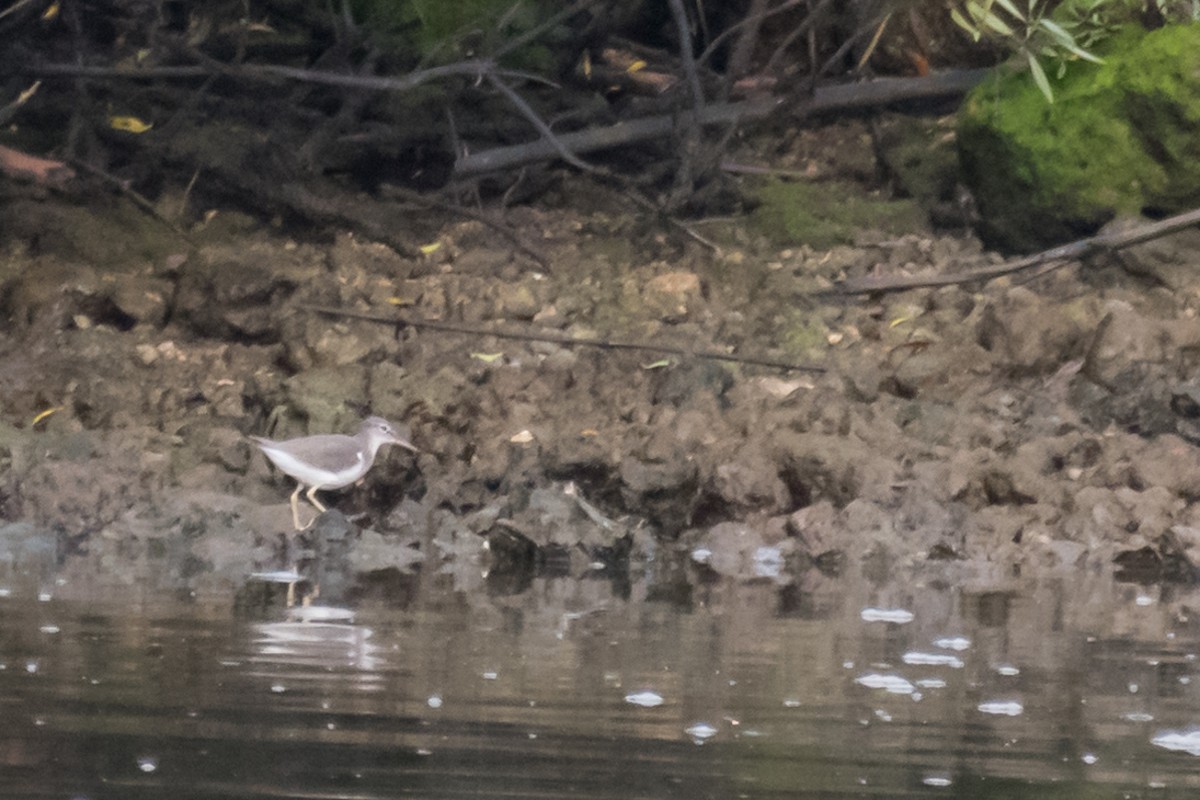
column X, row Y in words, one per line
column 1072, row 251
column 809, row 21
column 566, row 341
column 407, row 82
column 686, row 54
column 737, row 65
column 547, row 135
column 748, row 20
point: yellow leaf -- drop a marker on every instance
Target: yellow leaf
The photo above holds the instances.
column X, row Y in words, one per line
column 636, row 66
column 51, row 11
column 587, row 64
column 487, row 358
column 28, row 93
column 429, row 249
column 130, row 124
column 660, row 364
column 43, row 415
column 589, row 433
column 898, row 321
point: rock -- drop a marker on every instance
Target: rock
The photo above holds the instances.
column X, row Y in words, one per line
column 141, row 297
column 314, row 341
column 749, row 484
column 840, row 469
column 1119, row 137
column 936, row 371
column 673, row 296
column 351, row 254
column 219, row 297
column 1032, row 334
column 1171, row 463
column 386, row 391
column 862, row 379
column 688, row 383
column 1168, row 260
column 375, row 551
column 329, row 397
column 662, row 491
column 742, row 551
column 816, row 529
column 517, row 301
column 1127, row 339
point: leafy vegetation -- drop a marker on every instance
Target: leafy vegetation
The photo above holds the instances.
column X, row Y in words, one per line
column 1045, row 33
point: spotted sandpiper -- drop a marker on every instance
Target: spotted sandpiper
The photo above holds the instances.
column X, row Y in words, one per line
column 329, row 461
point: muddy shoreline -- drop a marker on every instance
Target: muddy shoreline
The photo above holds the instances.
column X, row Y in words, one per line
column 1032, row 425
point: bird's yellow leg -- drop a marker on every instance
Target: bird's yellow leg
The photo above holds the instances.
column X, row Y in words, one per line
column 296, row 507
column 312, row 498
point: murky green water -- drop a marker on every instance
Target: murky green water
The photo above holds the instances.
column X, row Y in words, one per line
column 418, row 686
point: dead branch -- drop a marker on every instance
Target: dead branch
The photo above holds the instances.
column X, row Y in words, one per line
column 551, row 338
column 1062, row 254
column 826, row 99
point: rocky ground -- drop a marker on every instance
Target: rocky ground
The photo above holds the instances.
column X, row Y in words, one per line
column 1030, row 424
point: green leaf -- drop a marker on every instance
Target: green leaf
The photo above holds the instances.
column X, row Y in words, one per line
column 662, row 363
column 1057, row 31
column 998, row 25
column 1039, row 76
column 1008, row 6
column 957, row 16
column 962, row 22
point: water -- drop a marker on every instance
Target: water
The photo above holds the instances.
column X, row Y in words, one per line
column 423, row 686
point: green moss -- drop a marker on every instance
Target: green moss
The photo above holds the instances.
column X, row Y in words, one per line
column 921, row 158
column 1162, row 93
column 1118, row 139
column 826, row 214
column 803, row 335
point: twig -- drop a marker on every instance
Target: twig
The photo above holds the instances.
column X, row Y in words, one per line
column 1072, row 251
column 566, row 341
column 270, row 72
column 686, row 54
column 742, row 51
column 810, row 19
column 750, row 19
column 547, row 134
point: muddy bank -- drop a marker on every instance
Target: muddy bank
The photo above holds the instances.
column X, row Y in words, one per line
column 1044, row 425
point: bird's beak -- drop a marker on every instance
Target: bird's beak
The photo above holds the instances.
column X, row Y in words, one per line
column 407, row 445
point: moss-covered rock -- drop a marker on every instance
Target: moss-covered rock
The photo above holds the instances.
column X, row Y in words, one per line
column 1120, row 138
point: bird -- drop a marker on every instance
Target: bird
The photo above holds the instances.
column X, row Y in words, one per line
column 330, row 460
